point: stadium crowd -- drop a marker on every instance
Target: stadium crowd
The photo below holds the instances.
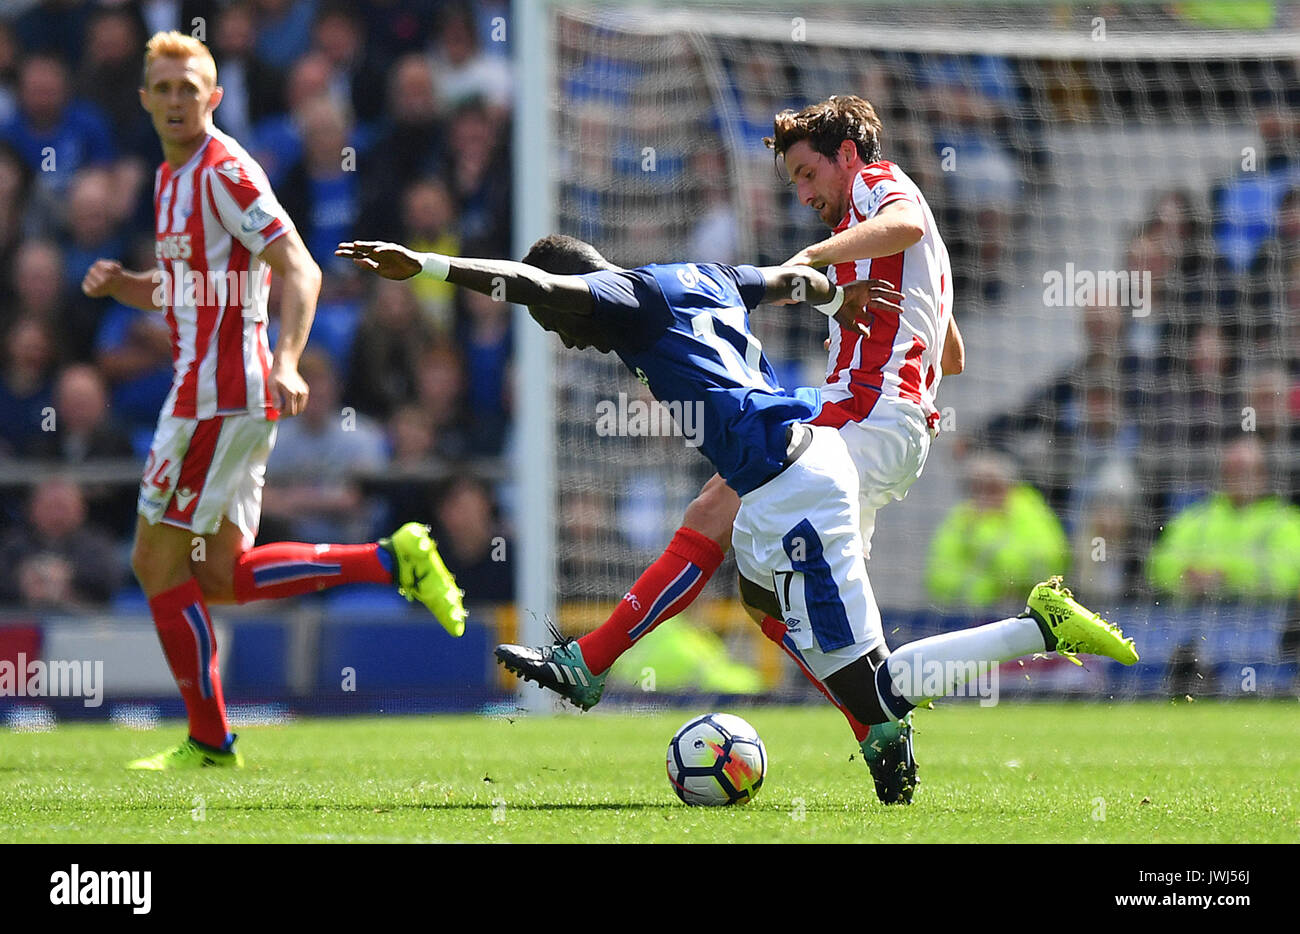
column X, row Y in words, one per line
column 380, row 119
column 374, row 119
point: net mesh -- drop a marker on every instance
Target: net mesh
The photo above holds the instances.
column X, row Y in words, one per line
column 1117, row 193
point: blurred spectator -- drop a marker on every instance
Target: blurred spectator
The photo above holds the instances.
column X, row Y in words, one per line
column 84, row 431
column 1242, row 543
column 998, row 543
column 471, row 542
column 1245, row 207
column 15, row 184
column 1196, row 408
column 440, row 391
column 1274, row 283
column 276, row 142
column 412, row 144
column 284, row 30
column 311, row 489
column 1106, row 537
column 253, row 88
column 395, row 27
column 133, row 351
column 74, row 132
column 480, row 181
column 1040, row 433
column 109, row 78
column 429, row 221
column 26, row 382
column 83, row 428
column 485, row 338
column 1188, row 284
column 53, row 28
column 462, row 72
column 39, row 282
column 8, row 71
column 90, row 228
column 321, row 194
column 58, row 560
column 390, row 343
column 1104, row 449
column 354, row 77
column 974, row 102
column 1268, row 414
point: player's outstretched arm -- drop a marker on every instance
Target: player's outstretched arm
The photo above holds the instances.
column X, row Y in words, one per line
column 894, row 228
column 503, row 279
column 106, row 278
column 290, row 259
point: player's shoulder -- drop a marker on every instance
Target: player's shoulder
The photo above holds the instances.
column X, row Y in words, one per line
column 224, row 155
column 882, row 170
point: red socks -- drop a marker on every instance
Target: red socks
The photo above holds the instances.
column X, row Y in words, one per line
column 774, row 629
column 666, row 588
column 181, row 618
column 287, row 569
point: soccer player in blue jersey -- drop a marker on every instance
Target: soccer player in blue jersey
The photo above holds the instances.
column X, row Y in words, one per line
column 683, row 329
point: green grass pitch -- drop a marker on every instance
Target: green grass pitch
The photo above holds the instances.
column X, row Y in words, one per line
column 1081, row 772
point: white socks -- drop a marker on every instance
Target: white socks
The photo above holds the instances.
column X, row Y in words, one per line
column 934, row 667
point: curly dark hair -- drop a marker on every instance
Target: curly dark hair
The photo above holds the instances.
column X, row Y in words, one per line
column 825, row 125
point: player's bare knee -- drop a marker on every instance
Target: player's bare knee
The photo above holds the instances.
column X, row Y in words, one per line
column 156, row 566
column 216, row 579
column 713, row 512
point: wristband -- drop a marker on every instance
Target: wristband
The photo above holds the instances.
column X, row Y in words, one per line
column 833, row 305
column 435, row 265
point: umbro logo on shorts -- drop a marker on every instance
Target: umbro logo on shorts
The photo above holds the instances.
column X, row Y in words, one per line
column 184, row 497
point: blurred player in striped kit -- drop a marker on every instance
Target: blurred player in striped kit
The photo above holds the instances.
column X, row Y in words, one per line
column 220, row 235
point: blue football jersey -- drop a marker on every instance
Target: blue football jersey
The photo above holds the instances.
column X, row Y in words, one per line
column 683, row 329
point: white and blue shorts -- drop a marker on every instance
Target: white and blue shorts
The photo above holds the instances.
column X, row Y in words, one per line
column 799, row 535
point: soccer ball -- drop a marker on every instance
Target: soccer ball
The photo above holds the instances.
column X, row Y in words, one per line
column 716, row 759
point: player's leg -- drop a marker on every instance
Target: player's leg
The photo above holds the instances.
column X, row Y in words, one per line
column 775, row 630
column 673, row 581
column 576, row 669
column 231, row 570
column 937, row 666
column 160, row 559
column 800, row 556
column 176, row 478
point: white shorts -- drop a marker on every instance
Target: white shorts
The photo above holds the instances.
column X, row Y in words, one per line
column 200, row 472
column 889, row 448
column 799, row 536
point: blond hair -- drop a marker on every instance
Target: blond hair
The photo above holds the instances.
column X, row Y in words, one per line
column 178, row 45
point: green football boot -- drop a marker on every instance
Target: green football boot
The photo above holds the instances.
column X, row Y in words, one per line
column 888, row 752
column 1070, row 628
column 190, row 754
column 559, row 667
column 421, row 575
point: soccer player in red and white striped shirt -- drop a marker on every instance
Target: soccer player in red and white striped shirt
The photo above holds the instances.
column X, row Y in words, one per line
column 220, row 235
column 885, row 364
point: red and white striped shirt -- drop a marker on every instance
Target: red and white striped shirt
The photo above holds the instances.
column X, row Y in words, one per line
column 214, row 217
column 901, row 357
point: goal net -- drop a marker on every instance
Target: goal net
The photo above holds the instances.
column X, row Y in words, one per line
column 1117, row 190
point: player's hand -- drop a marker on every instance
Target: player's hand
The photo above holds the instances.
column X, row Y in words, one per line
column 863, row 299
column 390, row 260
column 799, row 259
column 288, row 388
column 101, row 278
